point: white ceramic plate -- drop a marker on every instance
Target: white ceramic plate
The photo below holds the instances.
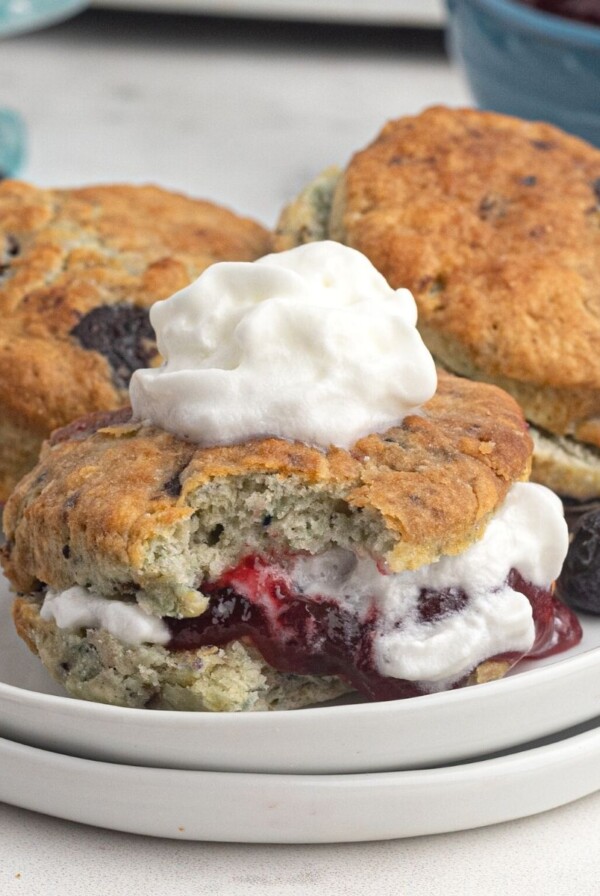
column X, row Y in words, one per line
column 416, row 733
column 373, row 12
column 251, row 808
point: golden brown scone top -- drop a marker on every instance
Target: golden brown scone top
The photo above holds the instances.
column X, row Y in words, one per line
column 494, row 224
column 102, row 494
column 77, row 268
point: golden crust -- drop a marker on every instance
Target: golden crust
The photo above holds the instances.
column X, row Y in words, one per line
column 494, row 224
column 431, row 483
column 65, row 253
column 26, row 618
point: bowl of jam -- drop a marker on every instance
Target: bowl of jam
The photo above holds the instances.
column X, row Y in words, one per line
column 537, row 59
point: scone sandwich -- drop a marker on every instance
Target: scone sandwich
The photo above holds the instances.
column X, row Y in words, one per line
column 78, row 271
column 494, row 224
column 292, row 509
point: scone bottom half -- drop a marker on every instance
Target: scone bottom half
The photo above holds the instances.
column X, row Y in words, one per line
column 203, row 541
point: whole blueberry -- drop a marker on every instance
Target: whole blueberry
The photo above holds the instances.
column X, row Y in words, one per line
column 579, row 581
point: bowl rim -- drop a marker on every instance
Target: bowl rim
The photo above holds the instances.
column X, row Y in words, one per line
column 28, row 20
column 535, row 20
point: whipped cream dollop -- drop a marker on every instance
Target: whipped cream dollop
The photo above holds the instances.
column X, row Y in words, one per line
column 311, row 344
column 527, row 533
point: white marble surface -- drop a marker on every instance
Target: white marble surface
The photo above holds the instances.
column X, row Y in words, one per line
column 554, row 854
column 244, row 114
column 240, row 113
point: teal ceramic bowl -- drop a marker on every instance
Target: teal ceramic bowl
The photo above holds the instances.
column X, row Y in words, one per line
column 17, row 16
column 529, row 63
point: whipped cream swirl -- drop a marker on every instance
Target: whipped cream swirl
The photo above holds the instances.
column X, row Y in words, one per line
column 310, row 344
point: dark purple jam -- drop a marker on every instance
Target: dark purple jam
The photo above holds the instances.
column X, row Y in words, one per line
column 254, row 601
column 581, row 10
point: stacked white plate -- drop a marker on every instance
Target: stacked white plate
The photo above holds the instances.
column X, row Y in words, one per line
column 349, row 772
column 353, row 12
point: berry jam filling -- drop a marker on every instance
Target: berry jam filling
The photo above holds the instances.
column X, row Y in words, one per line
column 317, row 636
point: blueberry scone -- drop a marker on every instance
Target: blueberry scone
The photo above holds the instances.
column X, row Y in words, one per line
column 290, row 511
column 78, row 271
column 494, row 224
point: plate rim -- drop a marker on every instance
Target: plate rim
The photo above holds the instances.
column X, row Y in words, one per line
column 288, row 807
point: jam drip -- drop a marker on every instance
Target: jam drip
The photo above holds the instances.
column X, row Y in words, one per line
column 318, row 637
